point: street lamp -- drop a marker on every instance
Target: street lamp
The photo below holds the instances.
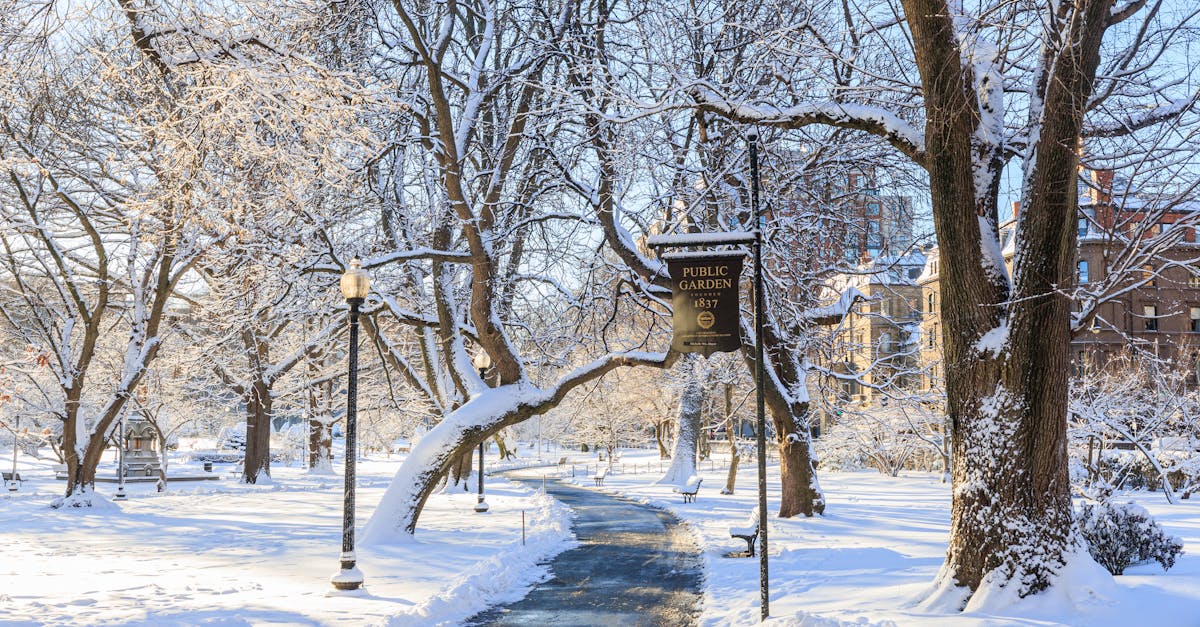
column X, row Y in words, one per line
column 482, row 361
column 355, row 285
column 120, row 495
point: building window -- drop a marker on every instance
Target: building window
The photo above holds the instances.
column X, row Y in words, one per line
column 1149, row 276
column 1083, row 272
column 931, row 304
column 1195, row 320
column 1194, row 280
column 932, row 338
column 873, row 208
column 1085, row 221
column 1150, row 314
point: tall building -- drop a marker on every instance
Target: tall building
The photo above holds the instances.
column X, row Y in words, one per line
column 855, row 222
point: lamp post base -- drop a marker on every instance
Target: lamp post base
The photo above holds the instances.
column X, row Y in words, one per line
column 120, row 495
column 348, row 578
column 481, row 506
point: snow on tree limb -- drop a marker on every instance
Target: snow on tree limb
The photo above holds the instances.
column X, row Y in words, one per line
column 874, row 120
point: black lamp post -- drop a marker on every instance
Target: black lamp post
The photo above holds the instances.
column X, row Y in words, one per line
column 120, row 495
column 355, row 285
column 764, row 585
column 482, row 361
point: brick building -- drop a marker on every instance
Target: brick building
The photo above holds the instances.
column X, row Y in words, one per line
column 1138, row 257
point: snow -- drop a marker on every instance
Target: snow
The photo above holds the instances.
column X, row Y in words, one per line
column 993, row 341
column 989, row 248
column 229, row 553
column 873, row 558
column 702, row 239
column 890, row 125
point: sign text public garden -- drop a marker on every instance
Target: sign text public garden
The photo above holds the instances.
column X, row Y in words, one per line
column 704, row 297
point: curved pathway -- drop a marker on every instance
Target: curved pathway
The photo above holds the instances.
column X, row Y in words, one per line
column 635, row 565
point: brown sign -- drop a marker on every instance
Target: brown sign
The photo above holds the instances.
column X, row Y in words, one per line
column 704, row 296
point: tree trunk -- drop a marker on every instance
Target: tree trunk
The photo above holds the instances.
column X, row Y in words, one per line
column 660, row 438
column 1011, row 518
column 258, row 433
column 320, row 429
column 460, row 471
column 801, row 493
column 734, row 456
column 687, row 430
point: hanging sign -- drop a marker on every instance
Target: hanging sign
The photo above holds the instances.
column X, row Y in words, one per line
column 704, row 296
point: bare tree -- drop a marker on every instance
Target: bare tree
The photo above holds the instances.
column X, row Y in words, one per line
column 986, row 95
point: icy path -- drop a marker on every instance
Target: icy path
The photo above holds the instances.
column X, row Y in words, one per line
column 635, row 565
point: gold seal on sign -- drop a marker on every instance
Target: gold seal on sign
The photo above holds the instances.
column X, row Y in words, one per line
column 706, row 319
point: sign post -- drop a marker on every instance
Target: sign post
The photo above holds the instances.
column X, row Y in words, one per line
column 706, row 320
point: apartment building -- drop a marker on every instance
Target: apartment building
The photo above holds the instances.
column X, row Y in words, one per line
column 1138, row 259
column 880, row 342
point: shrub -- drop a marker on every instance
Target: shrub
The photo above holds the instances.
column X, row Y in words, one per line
column 1121, row 534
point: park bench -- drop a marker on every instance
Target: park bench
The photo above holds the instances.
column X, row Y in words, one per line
column 562, row 461
column 12, row 480
column 689, row 489
column 600, row 474
column 749, row 533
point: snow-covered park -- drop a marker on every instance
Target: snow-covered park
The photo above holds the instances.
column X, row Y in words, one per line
column 938, row 260
column 226, row 553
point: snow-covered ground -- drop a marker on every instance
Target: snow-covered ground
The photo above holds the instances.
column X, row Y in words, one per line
column 228, row 554
column 877, row 550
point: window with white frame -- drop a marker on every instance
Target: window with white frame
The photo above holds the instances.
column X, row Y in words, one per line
column 1150, row 317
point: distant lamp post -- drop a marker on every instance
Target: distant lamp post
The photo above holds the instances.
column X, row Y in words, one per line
column 121, row 435
column 482, row 362
column 355, row 286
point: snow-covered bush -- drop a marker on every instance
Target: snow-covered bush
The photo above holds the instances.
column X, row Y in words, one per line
column 232, row 438
column 1121, row 534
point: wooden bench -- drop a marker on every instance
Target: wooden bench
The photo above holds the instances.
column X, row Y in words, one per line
column 562, row 461
column 689, row 489
column 12, row 480
column 600, row 474
column 749, row 533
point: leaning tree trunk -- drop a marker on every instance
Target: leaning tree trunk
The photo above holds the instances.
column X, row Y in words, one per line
column 801, row 493
column 687, row 429
column 461, row 431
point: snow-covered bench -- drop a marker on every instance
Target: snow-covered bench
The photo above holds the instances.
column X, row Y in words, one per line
column 749, row 533
column 689, row 489
column 12, row 480
column 600, row 475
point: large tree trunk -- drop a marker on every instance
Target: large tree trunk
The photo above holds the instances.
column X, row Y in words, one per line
column 320, row 429
column 258, row 433
column 1011, row 519
column 687, row 429
column 801, row 493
